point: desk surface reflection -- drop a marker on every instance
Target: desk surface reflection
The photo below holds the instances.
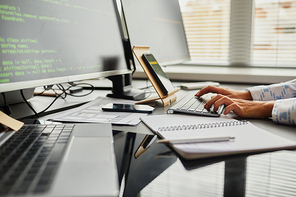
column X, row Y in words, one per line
column 146, row 168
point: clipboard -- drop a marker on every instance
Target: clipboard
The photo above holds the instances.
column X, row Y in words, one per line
column 166, row 99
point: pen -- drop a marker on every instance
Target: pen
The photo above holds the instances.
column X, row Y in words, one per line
column 196, row 140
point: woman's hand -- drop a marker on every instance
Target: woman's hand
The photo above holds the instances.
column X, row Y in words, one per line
column 225, row 91
column 242, row 108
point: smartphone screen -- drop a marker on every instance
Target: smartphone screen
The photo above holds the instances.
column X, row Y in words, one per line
column 162, row 80
column 116, row 107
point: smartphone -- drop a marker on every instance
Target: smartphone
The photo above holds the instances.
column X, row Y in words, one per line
column 156, row 71
column 116, row 107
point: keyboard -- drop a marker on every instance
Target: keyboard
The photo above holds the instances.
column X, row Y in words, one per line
column 30, row 157
column 195, row 106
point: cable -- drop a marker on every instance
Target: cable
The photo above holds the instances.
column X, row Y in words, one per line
column 22, row 93
column 78, row 85
column 56, row 98
column 149, row 93
column 63, row 95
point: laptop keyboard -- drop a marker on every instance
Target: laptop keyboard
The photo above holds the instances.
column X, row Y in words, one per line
column 29, row 158
column 193, row 105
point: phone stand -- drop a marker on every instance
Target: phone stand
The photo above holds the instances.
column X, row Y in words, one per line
column 166, row 99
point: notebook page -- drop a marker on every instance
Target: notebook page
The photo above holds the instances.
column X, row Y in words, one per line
column 169, row 121
column 248, row 137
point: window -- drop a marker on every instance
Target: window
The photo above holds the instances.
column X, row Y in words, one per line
column 256, row 33
column 274, row 33
column 206, row 24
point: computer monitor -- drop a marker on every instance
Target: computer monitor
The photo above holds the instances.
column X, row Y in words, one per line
column 159, row 25
column 51, row 42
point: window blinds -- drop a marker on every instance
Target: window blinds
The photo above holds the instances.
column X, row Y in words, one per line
column 274, row 33
column 206, row 24
column 236, row 32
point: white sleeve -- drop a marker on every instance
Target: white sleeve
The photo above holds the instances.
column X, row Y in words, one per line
column 284, row 111
column 274, row 91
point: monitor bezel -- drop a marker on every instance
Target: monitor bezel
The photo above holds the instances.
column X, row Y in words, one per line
column 15, row 86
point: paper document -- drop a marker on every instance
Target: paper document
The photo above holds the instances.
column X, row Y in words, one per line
column 92, row 112
column 247, row 137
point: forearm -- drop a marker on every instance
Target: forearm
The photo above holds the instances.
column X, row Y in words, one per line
column 246, row 95
column 284, row 111
column 274, row 91
column 266, row 109
column 255, row 109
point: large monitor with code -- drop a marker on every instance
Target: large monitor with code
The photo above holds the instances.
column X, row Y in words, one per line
column 46, row 42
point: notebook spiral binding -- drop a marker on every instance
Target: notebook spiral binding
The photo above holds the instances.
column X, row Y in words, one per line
column 203, row 126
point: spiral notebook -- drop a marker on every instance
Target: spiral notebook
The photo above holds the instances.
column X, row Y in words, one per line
column 248, row 137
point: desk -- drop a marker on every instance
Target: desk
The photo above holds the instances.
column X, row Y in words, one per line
column 155, row 173
column 158, row 172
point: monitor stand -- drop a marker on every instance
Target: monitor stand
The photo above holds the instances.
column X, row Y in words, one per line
column 122, row 88
column 14, row 97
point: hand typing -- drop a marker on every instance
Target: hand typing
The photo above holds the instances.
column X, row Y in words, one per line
column 237, row 101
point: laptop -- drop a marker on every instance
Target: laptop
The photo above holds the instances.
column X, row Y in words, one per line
column 58, row 160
